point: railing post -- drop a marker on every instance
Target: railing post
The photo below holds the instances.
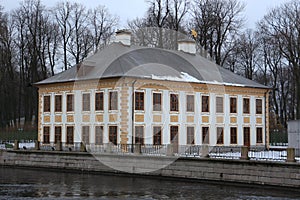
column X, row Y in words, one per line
column 82, row 147
column 244, row 153
column 36, row 145
column 137, row 149
column 170, row 150
column 290, row 155
column 16, row 145
column 204, row 151
column 58, row 146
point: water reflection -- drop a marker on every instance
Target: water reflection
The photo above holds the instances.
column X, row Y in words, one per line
column 36, row 184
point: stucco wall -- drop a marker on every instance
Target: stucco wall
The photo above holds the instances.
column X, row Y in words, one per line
column 240, row 171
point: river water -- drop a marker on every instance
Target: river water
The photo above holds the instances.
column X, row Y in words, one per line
column 42, row 184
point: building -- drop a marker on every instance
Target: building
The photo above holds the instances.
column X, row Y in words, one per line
column 129, row 94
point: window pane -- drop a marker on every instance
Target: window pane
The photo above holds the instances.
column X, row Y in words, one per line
column 258, row 106
column 233, row 135
column 99, row 101
column 70, row 134
column 190, row 135
column 46, row 135
column 99, row 135
column 220, row 135
column 58, row 103
column 156, row 101
column 139, row 135
column 57, row 134
column 259, row 135
column 190, row 103
column 174, row 102
column 157, row 135
column 113, row 100
column 46, row 103
column 246, row 106
column 219, row 104
column 86, row 102
column 233, row 105
column 174, row 135
column 139, row 100
column 85, row 134
column 70, row 102
column 205, row 135
column 113, row 132
column 205, row 103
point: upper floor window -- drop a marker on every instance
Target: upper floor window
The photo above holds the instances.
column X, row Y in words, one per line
column 205, row 103
column 233, row 105
column 220, row 135
column 190, row 103
column 113, row 100
column 190, row 135
column 156, row 101
column 139, row 100
column 86, row 103
column 47, row 104
column 99, row 101
column 219, row 104
column 246, row 105
column 70, row 102
column 174, row 103
column 58, row 103
column 258, row 106
column 157, row 135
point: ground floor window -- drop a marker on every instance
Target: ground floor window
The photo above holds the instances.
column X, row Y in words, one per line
column 157, row 135
column 85, row 136
column 174, row 134
column 259, row 135
column 220, row 135
column 46, row 135
column 70, row 134
column 205, row 135
column 139, row 135
column 99, row 135
column 190, row 132
column 57, row 137
column 233, row 135
column 113, row 134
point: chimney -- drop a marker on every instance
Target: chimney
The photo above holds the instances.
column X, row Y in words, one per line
column 123, row 36
column 187, row 46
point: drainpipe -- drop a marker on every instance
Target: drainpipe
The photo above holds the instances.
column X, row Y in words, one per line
column 132, row 115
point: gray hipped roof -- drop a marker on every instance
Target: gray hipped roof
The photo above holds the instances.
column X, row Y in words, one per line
column 117, row 60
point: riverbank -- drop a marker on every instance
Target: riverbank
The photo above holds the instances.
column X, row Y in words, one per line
column 203, row 169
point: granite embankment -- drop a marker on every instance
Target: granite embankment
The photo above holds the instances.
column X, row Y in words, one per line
column 236, row 171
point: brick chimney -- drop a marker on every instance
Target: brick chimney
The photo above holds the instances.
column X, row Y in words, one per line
column 123, row 36
column 187, row 46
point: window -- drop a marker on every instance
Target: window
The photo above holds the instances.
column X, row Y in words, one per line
column 139, row 135
column 258, row 106
column 113, row 133
column 246, row 106
column 99, row 135
column 46, row 135
column 57, row 134
column 219, row 104
column 99, row 102
column 86, row 102
column 70, row 134
column 46, row 103
column 233, row 105
column 174, row 102
column 174, row 135
column 85, row 134
column 190, row 105
column 259, row 135
column 220, row 135
column 139, row 100
column 156, row 101
column 113, row 100
column 70, row 102
column 247, row 136
column 205, row 103
column 190, row 135
column 233, row 135
column 157, row 135
column 58, row 103
column 205, row 135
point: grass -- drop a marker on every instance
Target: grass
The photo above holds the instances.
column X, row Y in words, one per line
column 18, row 135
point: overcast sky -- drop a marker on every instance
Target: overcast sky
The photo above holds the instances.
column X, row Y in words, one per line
column 130, row 9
